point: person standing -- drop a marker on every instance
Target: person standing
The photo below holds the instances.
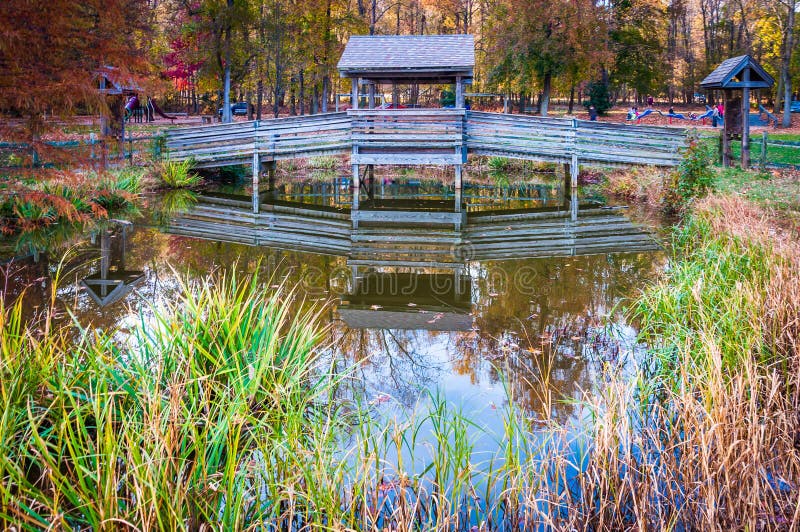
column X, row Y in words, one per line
column 592, row 113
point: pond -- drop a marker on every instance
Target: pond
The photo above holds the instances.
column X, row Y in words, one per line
column 477, row 311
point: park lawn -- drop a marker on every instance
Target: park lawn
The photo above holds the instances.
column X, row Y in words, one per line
column 778, row 190
column 779, row 155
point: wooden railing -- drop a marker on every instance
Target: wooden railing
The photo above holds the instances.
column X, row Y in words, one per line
column 559, row 139
column 418, row 136
column 273, row 139
column 604, row 143
column 306, row 136
column 215, row 145
column 520, row 136
column 428, row 136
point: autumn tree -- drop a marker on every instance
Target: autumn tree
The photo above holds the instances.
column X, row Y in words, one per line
column 50, row 51
column 539, row 40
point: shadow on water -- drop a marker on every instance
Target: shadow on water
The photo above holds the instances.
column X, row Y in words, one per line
column 513, row 297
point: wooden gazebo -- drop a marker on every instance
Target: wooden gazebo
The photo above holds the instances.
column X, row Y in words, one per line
column 397, row 59
column 408, row 136
column 740, row 73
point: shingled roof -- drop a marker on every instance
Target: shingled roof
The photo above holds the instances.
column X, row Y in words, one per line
column 728, row 75
column 410, row 56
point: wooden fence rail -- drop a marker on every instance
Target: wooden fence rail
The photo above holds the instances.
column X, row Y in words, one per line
column 768, row 153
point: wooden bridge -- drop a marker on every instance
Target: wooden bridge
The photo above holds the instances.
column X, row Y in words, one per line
column 424, row 137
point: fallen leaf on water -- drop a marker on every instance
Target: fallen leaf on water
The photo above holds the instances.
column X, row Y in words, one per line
column 436, row 318
column 381, row 398
column 412, row 304
column 375, row 307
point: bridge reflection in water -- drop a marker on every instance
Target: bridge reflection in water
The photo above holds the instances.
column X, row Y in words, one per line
column 405, row 272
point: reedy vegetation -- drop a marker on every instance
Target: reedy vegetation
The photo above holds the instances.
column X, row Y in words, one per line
column 221, row 410
column 74, row 198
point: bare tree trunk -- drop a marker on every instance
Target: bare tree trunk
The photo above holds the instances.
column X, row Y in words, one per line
column 786, row 62
column 259, row 97
column 571, row 99
column 226, row 98
column 545, row 99
column 302, row 94
column 325, row 90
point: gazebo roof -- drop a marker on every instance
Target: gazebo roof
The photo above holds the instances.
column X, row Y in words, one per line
column 423, row 57
column 729, row 75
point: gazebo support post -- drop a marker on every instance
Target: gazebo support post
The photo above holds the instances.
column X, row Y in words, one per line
column 726, row 135
column 371, row 96
column 746, row 119
column 354, row 93
column 459, row 93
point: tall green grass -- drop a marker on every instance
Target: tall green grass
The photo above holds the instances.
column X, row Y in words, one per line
column 179, row 174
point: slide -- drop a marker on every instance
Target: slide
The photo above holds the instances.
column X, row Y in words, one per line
column 152, row 103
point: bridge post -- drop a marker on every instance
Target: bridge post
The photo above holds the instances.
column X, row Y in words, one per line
column 574, row 168
column 356, row 191
column 458, row 185
column 256, row 171
column 567, row 184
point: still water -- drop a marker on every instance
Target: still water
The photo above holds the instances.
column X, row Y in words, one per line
column 470, row 306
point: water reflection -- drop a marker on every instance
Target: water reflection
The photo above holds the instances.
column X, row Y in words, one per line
column 523, row 291
column 112, row 282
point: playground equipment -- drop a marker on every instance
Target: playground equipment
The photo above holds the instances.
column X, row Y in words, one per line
column 151, row 103
column 770, row 117
column 134, row 109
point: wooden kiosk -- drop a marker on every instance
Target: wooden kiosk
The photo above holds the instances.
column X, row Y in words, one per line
column 736, row 74
column 410, row 136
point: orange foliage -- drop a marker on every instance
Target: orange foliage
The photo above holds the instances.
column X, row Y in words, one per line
column 49, row 51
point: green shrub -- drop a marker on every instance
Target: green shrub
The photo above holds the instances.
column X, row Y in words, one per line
column 322, row 163
column 178, row 174
column 498, row 164
column 693, row 179
column 597, row 93
column 447, row 98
